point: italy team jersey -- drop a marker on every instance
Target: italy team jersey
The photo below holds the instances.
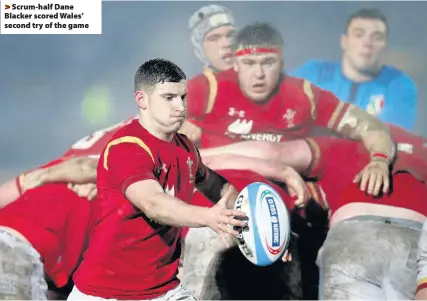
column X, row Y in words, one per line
column 391, row 95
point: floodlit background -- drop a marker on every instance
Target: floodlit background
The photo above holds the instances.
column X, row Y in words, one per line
column 57, row 89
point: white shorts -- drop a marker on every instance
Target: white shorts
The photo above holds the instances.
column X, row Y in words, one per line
column 21, row 271
column 369, row 258
column 178, row 293
column 201, row 259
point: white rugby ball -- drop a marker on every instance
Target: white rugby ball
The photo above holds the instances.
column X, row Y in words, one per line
column 267, row 235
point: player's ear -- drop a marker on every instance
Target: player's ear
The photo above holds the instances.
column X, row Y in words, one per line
column 141, row 99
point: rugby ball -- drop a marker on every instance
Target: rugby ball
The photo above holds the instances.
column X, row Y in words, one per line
column 267, row 235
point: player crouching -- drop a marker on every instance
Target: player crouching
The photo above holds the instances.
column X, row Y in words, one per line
column 42, row 233
column 370, row 252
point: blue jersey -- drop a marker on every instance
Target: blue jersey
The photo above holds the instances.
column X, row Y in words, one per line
column 391, row 96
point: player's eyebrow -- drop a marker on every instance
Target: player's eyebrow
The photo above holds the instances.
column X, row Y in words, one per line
column 169, row 94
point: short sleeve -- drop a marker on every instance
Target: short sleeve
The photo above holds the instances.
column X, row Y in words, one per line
column 329, row 109
column 128, row 161
column 202, row 170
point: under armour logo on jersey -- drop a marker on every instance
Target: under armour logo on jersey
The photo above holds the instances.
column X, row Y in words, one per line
column 241, row 127
column 290, row 117
column 232, row 112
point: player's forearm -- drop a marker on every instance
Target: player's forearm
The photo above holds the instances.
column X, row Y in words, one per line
column 269, row 169
column 254, row 149
column 379, row 142
column 169, row 210
column 359, row 125
column 295, row 153
column 79, row 170
column 213, row 186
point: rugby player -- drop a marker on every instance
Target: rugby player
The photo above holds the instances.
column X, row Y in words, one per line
column 211, row 30
column 371, row 249
column 146, row 177
column 42, row 233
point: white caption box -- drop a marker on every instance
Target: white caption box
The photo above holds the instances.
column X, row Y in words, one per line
column 48, row 17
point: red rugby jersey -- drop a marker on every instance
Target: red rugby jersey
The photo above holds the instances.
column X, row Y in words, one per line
column 54, row 220
column 130, row 256
column 93, row 144
column 218, row 106
column 408, row 142
column 338, row 161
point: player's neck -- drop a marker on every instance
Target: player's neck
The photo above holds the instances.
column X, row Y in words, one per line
column 353, row 74
column 154, row 129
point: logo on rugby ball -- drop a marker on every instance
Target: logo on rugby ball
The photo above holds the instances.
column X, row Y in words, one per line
column 275, row 248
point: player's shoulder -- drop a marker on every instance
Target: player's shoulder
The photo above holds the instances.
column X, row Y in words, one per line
column 229, row 74
column 128, row 129
column 132, row 138
column 201, row 77
column 133, row 133
column 317, row 64
column 316, row 67
column 209, row 74
column 295, row 85
column 390, row 74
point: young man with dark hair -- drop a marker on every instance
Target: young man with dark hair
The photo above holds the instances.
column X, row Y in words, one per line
column 361, row 78
column 211, row 30
column 146, row 177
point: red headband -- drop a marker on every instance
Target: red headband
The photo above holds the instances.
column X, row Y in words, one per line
column 255, row 50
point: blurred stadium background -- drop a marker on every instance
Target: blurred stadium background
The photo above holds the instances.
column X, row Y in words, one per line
column 56, row 89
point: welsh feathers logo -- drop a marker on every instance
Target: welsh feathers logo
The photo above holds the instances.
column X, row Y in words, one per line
column 275, row 248
column 376, row 104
